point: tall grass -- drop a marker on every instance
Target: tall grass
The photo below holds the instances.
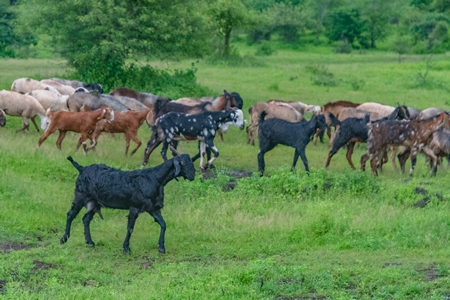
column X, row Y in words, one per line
column 335, row 234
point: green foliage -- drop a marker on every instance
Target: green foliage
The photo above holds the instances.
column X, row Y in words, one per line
column 264, row 49
column 345, row 24
column 321, row 76
column 170, row 83
column 12, row 42
column 288, row 20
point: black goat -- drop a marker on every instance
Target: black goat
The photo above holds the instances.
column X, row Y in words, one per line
column 138, row 191
column 350, row 131
column 354, row 129
column 203, row 126
column 277, row 131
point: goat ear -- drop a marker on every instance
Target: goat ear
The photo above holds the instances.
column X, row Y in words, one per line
column 177, row 166
column 102, row 115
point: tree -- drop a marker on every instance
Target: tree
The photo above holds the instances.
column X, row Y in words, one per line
column 319, row 10
column 376, row 15
column 288, row 20
column 10, row 39
column 345, row 24
column 98, row 38
column 228, row 15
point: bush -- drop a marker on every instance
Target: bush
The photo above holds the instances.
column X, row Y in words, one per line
column 264, row 49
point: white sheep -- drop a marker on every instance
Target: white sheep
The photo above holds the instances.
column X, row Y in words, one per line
column 63, row 89
column 25, row 106
column 50, row 100
column 26, row 85
column 299, row 106
column 382, row 110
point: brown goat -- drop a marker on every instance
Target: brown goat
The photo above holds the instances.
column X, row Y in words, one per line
column 83, row 122
column 127, row 122
column 414, row 134
column 279, row 110
column 334, row 108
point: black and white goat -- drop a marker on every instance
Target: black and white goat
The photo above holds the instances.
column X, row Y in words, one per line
column 277, row 131
column 138, row 191
column 175, row 126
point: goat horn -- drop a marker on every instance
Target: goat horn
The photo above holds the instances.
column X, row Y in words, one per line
column 173, row 149
column 182, row 149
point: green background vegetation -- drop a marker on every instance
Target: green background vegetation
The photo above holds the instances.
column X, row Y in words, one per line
column 336, row 234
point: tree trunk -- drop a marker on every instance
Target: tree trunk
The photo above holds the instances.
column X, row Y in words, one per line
column 226, row 45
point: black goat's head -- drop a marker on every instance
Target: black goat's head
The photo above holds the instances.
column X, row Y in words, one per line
column 321, row 122
column 184, row 166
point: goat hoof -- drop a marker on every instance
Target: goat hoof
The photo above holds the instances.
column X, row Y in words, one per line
column 63, row 239
column 91, row 244
column 161, row 250
column 126, row 251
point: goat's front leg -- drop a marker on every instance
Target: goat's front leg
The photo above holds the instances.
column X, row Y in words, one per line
column 164, row 150
column 151, row 145
column 215, row 151
column 160, row 220
column 132, row 216
column 300, row 152
column 71, row 214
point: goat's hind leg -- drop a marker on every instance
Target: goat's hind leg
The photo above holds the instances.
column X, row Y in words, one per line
column 87, row 218
column 71, row 214
column 132, row 216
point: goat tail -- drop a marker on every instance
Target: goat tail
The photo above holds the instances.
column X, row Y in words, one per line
column 262, row 115
column 75, row 164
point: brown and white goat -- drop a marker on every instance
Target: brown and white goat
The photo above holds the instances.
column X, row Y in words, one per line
column 414, row 134
column 126, row 122
column 83, row 122
column 280, row 111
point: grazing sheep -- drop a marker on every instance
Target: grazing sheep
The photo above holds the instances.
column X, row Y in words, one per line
column 25, row 106
column 50, row 100
column 93, row 101
column 279, row 110
column 147, row 99
column 132, row 103
column 203, row 126
column 232, row 99
column 2, row 118
column 429, row 112
column 126, row 122
column 301, row 107
column 26, row 85
column 277, row 131
column 61, row 88
column 138, row 191
column 414, row 134
column 83, row 122
column 92, row 87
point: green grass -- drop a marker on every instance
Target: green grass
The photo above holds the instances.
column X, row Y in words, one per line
column 336, row 234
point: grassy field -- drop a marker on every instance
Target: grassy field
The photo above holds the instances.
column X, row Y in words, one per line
column 336, row 234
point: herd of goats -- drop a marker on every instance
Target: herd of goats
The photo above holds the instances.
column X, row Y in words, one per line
column 70, row 105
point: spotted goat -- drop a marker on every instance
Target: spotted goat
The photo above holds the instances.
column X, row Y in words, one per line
column 414, row 134
column 175, row 126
